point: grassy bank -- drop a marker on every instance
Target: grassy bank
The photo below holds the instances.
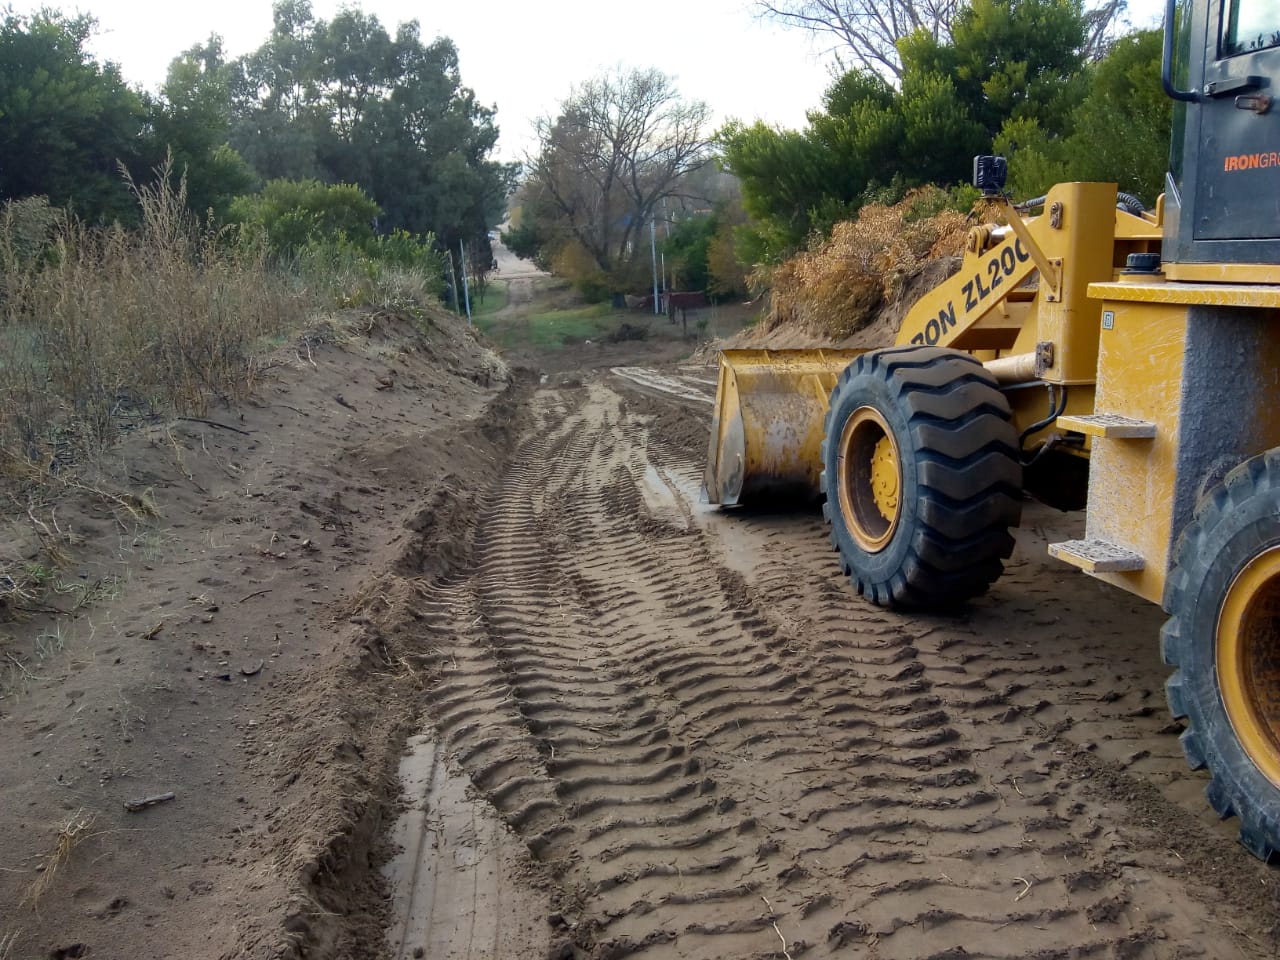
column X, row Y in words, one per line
column 104, row 329
column 550, row 329
column 100, row 327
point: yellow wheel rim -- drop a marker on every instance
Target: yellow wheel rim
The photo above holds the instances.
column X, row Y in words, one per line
column 1248, row 660
column 869, row 479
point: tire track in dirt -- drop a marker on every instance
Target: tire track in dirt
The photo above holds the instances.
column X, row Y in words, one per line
column 940, row 817
column 1075, row 663
column 718, row 745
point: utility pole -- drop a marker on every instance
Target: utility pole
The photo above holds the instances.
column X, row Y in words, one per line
column 466, row 291
column 453, row 281
column 653, row 252
column 666, row 226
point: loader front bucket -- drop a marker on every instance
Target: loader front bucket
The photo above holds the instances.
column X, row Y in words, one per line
column 766, row 428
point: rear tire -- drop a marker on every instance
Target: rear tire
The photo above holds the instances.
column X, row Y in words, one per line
column 936, row 536
column 1223, row 635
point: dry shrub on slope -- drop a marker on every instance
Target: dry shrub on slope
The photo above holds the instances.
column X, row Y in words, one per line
column 838, row 285
column 102, row 327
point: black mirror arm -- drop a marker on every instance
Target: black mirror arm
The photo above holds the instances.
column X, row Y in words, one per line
column 1166, row 61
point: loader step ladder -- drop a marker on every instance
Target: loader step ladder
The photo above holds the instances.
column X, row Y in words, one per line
column 1097, row 556
column 1109, row 425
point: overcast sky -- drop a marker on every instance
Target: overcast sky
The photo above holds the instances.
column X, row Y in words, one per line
column 524, row 55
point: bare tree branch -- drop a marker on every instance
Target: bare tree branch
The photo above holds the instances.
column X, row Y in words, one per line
column 1101, row 25
column 618, row 145
column 866, row 31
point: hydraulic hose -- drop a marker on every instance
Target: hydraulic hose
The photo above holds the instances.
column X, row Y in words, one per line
column 1130, row 204
column 1057, row 404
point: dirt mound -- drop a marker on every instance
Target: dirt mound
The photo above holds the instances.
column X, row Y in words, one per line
column 222, row 630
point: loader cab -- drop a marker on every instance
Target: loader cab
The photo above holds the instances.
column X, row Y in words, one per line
column 1222, row 66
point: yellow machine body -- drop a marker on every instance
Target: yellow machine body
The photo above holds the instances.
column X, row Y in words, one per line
column 1138, row 399
column 1188, row 362
column 767, row 425
column 1131, row 367
column 1159, row 378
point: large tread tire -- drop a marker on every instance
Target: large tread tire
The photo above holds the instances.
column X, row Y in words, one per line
column 1236, row 522
column 960, row 476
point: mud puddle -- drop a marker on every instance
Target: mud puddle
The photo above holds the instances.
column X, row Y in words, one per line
column 460, row 877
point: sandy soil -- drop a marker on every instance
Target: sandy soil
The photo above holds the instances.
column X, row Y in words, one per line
column 442, row 660
column 230, row 651
column 723, row 752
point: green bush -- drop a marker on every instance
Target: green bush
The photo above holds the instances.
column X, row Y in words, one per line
column 325, row 234
column 294, row 213
column 394, row 271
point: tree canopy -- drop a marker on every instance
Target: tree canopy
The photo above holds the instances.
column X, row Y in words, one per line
column 344, row 101
column 334, row 111
column 67, row 123
column 192, row 120
column 338, row 101
column 1014, row 74
column 1119, row 131
column 617, row 147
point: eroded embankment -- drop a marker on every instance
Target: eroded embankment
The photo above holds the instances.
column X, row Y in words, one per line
column 350, row 762
column 234, row 641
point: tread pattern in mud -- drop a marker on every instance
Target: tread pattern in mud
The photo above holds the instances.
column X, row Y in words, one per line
column 727, row 754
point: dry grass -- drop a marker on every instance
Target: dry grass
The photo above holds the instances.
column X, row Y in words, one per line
column 20, row 589
column 29, row 570
column 72, row 831
column 36, row 548
column 837, row 286
column 101, row 329
column 7, row 943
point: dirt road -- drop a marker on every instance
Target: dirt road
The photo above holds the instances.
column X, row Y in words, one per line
column 625, row 723
column 718, row 750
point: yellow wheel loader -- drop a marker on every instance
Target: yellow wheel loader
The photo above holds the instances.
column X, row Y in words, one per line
column 1096, row 356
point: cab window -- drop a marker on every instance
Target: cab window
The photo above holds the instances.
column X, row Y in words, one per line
column 1249, row 25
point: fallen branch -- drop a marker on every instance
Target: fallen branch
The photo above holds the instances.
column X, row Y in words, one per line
column 133, row 806
column 215, row 423
column 18, row 663
column 774, row 923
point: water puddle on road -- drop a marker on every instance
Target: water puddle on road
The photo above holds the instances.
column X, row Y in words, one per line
column 660, row 497
column 458, row 877
column 739, row 544
column 690, row 490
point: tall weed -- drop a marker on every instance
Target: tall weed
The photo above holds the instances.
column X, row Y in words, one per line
column 101, row 327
